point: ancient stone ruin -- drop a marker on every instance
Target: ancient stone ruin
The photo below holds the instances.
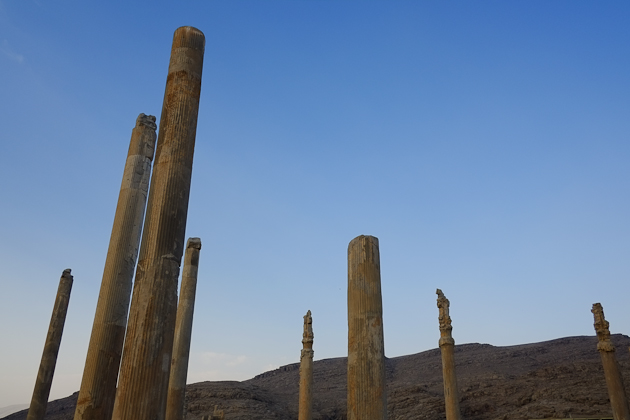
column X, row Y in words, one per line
column 98, row 386
column 306, row 370
column 367, row 398
column 147, row 380
column 183, row 332
column 37, row 410
column 447, row 348
column 614, row 381
column 145, row 366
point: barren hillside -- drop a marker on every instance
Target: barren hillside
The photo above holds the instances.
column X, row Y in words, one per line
column 554, row 379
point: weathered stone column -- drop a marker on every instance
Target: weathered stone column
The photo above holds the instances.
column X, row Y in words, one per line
column 37, row 410
column 367, row 397
column 306, row 370
column 98, row 386
column 447, row 345
column 183, row 332
column 146, row 361
column 616, row 390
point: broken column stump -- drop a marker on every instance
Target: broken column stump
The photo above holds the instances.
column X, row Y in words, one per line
column 146, row 361
column 367, row 397
column 98, row 386
column 39, row 401
column 183, row 332
column 305, row 410
column 447, row 347
column 614, row 381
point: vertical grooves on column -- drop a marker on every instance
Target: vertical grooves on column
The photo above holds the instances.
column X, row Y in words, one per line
column 98, row 386
column 148, row 347
column 183, row 332
column 366, row 357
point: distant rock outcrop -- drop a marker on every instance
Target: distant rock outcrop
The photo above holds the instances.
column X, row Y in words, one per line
column 554, row 379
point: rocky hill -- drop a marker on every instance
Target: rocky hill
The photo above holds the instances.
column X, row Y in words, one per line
column 554, row 379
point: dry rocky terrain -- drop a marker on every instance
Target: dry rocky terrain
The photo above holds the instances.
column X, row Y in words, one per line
column 554, row 379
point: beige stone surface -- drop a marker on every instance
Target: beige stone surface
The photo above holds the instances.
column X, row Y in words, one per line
column 98, row 386
column 306, row 370
column 447, row 348
column 183, row 332
column 37, row 410
column 367, row 397
column 146, row 361
column 614, row 381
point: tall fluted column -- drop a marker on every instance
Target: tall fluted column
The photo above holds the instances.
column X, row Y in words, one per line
column 614, row 382
column 37, row 410
column 98, row 386
column 146, row 361
column 183, row 332
column 306, row 370
column 367, row 397
column 447, row 345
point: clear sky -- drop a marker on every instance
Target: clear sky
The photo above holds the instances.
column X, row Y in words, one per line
column 486, row 144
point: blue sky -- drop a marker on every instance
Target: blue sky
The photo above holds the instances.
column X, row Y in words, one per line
column 484, row 143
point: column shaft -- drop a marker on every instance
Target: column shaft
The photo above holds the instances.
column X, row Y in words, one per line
column 367, row 397
column 306, row 370
column 447, row 348
column 614, row 381
column 37, row 410
column 146, row 361
column 183, row 332
column 451, row 394
column 98, row 386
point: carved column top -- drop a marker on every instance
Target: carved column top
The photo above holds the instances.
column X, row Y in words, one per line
column 194, row 243
column 148, row 120
column 143, row 137
column 445, row 319
column 443, row 305
column 307, row 336
column 602, row 329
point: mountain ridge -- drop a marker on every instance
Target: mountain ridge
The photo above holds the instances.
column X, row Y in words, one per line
column 559, row 378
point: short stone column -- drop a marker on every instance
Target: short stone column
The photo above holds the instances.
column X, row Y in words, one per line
column 367, row 397
column 614, row 382
column 183, row 332
column 98, row 386
column 37, row 410
column 146, row 361
column 306, row 370
column 447, row 347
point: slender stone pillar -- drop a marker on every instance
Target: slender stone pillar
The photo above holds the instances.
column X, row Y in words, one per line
column 37, row 410
column 146, row 361
column 98, row 386
column 183, row 332
column 367, row 397
column 447, row 346
column 616, row 390
column 306, row 370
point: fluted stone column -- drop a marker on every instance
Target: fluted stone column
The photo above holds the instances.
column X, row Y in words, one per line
column 306, row 370
column 447, row 347
column 146, row 361
column 98, row 386
column 37, row 410
column 367, row 397
column 183, row 332
column 614, row 382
